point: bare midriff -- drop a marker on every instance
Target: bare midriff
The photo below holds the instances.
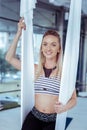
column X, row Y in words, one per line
column 45, row 102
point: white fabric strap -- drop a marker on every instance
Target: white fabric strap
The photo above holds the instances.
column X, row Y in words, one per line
column 27, row 65
column 70, row 62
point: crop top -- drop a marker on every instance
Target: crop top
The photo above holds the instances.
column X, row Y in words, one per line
column 47, row 85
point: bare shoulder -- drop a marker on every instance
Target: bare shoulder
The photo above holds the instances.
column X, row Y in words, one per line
column 35, row 67
column 60, row 72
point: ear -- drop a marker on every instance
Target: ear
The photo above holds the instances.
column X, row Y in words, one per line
column 58, row 51
column 41, row 50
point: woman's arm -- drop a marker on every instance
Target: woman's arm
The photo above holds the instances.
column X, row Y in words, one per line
column 11, row 53
column 59, row 108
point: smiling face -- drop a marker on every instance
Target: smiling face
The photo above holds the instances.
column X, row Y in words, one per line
column 50, row 46
column 50, row 50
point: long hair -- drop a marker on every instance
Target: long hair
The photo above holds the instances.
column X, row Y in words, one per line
column 42, row 57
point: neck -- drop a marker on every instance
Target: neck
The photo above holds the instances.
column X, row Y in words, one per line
column 50, row 64
column 48, row 71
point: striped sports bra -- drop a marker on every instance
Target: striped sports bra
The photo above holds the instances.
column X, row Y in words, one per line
column 47, row 85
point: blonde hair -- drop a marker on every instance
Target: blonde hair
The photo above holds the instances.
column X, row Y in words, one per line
column 42, row 57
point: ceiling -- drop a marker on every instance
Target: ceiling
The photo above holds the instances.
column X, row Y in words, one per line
column 66, row 3
column 10, row 12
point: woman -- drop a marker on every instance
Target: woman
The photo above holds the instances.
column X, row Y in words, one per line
column 47, row 81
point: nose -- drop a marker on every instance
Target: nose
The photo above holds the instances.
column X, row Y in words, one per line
column 48, row 47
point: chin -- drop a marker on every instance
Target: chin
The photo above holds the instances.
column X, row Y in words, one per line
column 48, row 56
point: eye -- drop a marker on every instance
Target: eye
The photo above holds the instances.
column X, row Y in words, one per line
column 44, row 44
column 53, row 44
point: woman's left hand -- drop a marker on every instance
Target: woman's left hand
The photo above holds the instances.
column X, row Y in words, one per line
column 59, row 107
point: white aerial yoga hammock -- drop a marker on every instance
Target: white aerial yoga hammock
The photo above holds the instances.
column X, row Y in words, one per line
column 69, row 65
column 27, row 67
column 70, row 62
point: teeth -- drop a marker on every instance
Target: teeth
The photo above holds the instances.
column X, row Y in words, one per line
column 48, row 53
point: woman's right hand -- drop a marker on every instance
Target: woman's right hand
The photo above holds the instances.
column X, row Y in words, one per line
column 21, row 25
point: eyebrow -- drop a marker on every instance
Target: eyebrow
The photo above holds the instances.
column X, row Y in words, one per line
column 53, row 42
column 47, row 42
column 44, row 42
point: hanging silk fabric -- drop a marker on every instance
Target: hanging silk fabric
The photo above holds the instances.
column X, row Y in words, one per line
column 70, row 62
column 27, row 65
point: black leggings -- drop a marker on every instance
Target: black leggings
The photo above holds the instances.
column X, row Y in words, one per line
column 33, row 123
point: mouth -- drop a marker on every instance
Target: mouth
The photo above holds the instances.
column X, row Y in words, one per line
column 48, row 53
